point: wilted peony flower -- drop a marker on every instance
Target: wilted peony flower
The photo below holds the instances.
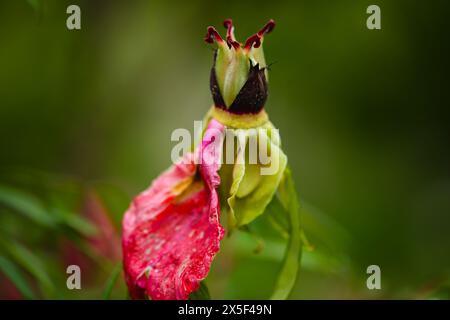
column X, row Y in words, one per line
column 172, row 230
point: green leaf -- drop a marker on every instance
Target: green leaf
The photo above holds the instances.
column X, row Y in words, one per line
column 288, row 274
column 273, row 229
column 201, row 294
column 26, row 205
column 64, row 205
column 30, row 262
column 324, row 231
column 328, row 249
column 15, row 275
column 112, row 281
column 77, row 222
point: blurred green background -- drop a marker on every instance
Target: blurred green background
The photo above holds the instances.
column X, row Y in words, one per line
column 86, row 118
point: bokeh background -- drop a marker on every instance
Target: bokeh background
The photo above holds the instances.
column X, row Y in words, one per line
column 86, row 118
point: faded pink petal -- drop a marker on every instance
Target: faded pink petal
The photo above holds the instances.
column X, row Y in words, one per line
column 171, row 232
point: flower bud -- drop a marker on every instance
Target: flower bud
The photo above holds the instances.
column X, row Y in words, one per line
column 238, row 79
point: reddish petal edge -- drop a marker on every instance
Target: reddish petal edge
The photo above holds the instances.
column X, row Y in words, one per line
column 169, row 242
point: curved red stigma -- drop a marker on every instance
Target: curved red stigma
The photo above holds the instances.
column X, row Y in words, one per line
column 231, row 40
column 212, row 35
column 255, row 40
column 252, row 41
column 268, row 27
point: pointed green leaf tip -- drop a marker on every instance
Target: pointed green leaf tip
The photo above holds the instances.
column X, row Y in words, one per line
column 233, row 60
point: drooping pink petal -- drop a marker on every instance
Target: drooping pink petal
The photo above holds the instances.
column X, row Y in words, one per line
column 171, row 232
column 211, row 153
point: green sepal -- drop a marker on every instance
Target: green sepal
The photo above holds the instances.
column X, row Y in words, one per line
column 202, row 293
column 251, row 191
